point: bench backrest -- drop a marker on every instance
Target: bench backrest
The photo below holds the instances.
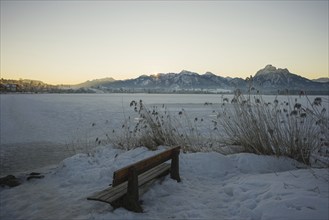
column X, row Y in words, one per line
column 121, row 175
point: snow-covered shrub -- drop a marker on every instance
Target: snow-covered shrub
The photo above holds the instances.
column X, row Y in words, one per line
column 285, row 128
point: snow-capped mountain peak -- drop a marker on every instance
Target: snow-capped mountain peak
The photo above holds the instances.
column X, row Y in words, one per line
column 209, row 74
column 269, row 79
column 186, row 72
column 269, row 69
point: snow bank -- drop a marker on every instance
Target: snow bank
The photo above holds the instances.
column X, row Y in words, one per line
column 214, row 186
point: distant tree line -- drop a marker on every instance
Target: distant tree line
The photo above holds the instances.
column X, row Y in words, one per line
column 34, row 86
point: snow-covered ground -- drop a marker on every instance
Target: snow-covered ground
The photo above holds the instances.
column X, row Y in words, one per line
column 214, row 186
column 36, row 130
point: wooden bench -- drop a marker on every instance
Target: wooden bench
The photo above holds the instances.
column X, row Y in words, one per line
column 127, row 181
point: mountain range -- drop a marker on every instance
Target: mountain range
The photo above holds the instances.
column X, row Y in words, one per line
column 268, row 80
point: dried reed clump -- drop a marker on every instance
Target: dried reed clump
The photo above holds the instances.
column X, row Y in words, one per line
column 282, row 129
column 279, row 128
column 155, row 126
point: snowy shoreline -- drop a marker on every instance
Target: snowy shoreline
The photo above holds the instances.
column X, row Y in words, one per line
column 238, row 186
column 61, row 125
column 60, row 130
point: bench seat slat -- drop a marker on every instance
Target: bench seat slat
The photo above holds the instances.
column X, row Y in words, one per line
column 142, row 179
column 152, row 173
column 111, row 194
column 121, row 175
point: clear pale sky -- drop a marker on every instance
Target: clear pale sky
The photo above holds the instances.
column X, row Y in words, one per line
column 74, row 41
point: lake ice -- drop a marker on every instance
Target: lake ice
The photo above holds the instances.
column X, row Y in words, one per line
column 39, row 129
column 36, row 130
column 43, row 129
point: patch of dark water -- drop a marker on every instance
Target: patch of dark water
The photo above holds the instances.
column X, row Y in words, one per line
column 23, row 157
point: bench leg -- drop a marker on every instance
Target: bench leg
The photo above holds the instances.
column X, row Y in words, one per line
column 131, row 202
column 174, row 169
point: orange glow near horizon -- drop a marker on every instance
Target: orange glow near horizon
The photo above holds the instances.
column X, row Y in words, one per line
column 69, row 42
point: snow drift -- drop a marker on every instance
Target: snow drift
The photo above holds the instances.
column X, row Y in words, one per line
column 214, row 186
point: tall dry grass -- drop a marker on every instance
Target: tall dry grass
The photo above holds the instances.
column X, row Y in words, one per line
column 279, row 128
column 155, row 126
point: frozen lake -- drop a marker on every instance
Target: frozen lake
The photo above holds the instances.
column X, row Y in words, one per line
column 57, row 118
column 39, row 129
